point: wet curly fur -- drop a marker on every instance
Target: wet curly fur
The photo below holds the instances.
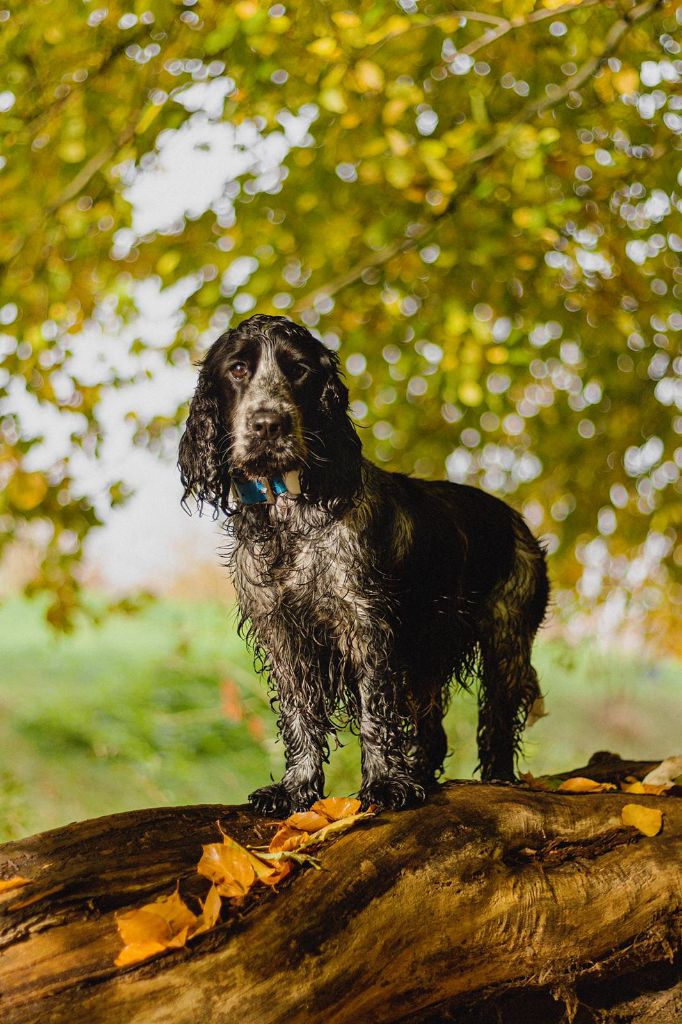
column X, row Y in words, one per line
column 368, row 595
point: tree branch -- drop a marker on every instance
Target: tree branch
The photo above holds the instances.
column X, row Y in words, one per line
column 488, row 903
column 501, row 25
column 484, row 155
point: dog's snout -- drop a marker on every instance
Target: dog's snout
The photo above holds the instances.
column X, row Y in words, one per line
column 267, row 424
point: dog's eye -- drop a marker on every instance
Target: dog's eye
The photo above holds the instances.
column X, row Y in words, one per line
column 238, row 371
column 298, row 371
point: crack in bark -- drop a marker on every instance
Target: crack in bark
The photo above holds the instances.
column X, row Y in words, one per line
column 559, row 851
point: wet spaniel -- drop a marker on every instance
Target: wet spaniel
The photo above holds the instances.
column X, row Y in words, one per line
column 364, row 594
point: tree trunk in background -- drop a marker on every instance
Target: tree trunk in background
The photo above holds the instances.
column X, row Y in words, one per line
column 491, row 903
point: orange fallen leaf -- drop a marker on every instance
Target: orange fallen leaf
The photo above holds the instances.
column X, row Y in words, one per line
column 649, row 820
column 234, row 869
column 642, row 788
column 210, row 912
column 136, row 952
column 271, row 872
column 335, row 807
column 153, row 928
column 287, row 838
column 16, row 882
column 581, row 785
column 229, row 866
column 326, row 817
column 337, row 826
column 331, row 816
column 307, row 821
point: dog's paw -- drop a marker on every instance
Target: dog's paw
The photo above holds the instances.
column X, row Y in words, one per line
column 272, row 801
column 392, row 793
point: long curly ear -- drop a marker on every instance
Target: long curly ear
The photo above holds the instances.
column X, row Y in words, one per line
column 337, row 477
column 201, row 463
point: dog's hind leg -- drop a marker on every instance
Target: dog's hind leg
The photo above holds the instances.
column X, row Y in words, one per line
column 428, row 747
column 508, row 690
column 509, row 686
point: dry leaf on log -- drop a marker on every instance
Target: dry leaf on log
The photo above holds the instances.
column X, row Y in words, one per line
column 325, row 818
column 581, row 785
column 649, row 820
column 631, row 785
column 164, row 924
column 233, row 870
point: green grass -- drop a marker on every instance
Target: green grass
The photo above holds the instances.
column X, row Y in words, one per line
column 163, row 708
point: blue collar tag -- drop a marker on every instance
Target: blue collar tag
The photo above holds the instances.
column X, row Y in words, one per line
column 265, row 491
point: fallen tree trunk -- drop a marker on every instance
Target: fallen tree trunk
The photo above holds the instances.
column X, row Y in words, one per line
column 491, row 903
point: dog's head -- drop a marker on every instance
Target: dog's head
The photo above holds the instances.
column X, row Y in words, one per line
column 270, row 399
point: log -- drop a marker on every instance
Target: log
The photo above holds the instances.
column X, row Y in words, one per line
column 491, row 903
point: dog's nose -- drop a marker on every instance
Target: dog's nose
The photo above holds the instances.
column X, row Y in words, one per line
column 267, row 424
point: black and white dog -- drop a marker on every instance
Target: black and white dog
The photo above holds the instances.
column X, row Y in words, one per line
column 363, row 593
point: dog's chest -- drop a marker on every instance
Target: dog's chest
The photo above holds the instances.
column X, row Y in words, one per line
column 312, row 573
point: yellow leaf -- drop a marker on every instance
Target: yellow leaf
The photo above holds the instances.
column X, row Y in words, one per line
column 167, row 262
column 648, row 820
column 308, row 821
column 26, row 490
column 470, row 393
column 399, row 172
column 497, row 355
column 581, row 785
column 233, row 869
column 346, row 19
column 229, row 866
column 393, row 111
column 245, row 9
column 336, row 826
column 393, row 26
column 287, row 838
column 335, row 807
column 398, row 142
column 632, row 787
column 369, row 75
column 210, row 912
column 164, row 924
column 72, row 151
column 324, row 47
column 333, row 100
column 148, row 116
column 626, row 80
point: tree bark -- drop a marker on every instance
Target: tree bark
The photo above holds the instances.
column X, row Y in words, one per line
column 491, row 903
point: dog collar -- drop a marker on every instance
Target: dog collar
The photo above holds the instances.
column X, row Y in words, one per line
column 265, row 490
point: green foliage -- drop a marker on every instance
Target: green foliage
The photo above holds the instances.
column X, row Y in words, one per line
column 483, row 210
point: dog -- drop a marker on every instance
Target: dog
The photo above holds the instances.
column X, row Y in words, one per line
column 364, row 594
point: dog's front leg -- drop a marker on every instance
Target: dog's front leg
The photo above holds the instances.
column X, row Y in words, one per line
column 387, row 777
column 304, row 726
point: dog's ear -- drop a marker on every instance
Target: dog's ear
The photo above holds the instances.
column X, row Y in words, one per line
column 334, row 398
column 202, row 454
column 337, row 477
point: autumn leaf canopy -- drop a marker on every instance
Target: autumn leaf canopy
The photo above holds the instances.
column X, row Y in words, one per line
column 480, row 209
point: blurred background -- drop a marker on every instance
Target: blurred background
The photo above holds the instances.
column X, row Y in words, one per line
column 479, row 209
